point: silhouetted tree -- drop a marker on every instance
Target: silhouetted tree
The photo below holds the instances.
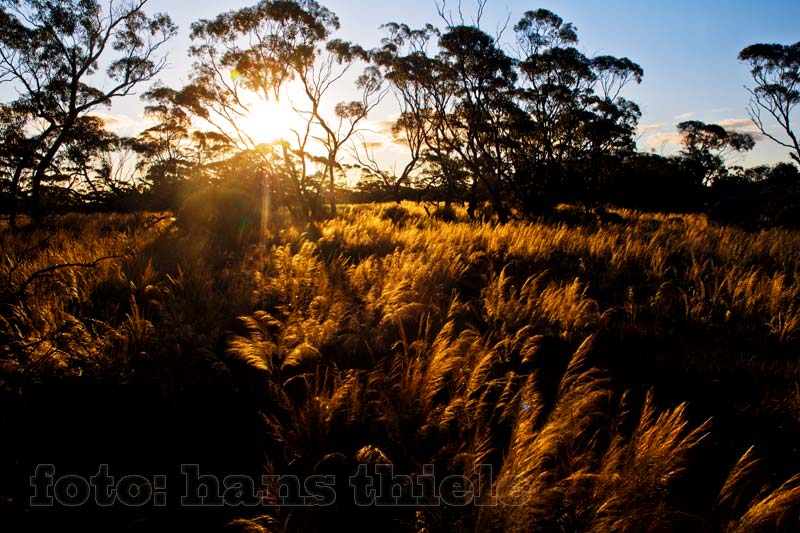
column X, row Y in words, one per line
column 483, row 79
column 405, row 64
column 317, row 79
column 52, row 50
column 86, row 168
column 576, row 122
column 705, row 146
column 776, row 72
column 17, row 155
column 172, row 152
column 259, row 49
column 522, row 133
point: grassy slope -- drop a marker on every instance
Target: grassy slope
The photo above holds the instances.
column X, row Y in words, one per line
column 613, row 375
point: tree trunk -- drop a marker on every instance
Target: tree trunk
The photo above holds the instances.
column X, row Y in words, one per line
column 332, row 185
column 37, row 210
column 12, row 215
column 472, row 206
column 332, row 194
column 306, row 204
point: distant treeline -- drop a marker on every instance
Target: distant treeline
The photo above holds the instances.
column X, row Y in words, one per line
column 511, row 131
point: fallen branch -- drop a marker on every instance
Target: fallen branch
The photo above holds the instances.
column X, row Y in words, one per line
column 48, row 272
column 153, row 220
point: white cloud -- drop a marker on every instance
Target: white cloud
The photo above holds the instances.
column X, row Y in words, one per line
column 663, row 140
column 124, row 125
column 742, row 125
column 382, row 126
column 737, row 124
column 683, row 116
column 646, row 128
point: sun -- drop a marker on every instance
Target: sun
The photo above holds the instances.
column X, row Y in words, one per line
column 270, row 121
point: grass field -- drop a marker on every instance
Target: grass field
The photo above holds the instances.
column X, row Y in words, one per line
column 629, row 372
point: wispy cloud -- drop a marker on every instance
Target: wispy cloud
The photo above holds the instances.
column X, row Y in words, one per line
column 123, row 125
column 742, row 125
column 646, row 128
column 669, row 141
column 683, row 116
column 375, row 130
column 737, row 124
column 663, row 139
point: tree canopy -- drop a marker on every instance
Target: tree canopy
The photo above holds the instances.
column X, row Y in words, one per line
column 512, row 122
column 775, row 69
column 706, row 146
column 51, row 52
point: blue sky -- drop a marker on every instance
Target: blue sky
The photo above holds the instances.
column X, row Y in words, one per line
column 687, row 49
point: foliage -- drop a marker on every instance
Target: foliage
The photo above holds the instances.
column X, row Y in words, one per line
column 519, row 132
column 706, row 145
column 259, row 50
column 576, row 123
column 775, row 69
column 514, row 129
column 51, row 50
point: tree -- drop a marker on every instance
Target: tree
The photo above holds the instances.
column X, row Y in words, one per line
column 89, row 168
column 405, row 64
column 775, row 69
column 706, row 146
column 171, row 153
column 17, row 155
column 482, row 77
column 317, row 79
column 576, row 120
column 427, row 126
column 521, row 132
column 245, row 55
column 85, row 168
column 51, row 51
column 256, row 51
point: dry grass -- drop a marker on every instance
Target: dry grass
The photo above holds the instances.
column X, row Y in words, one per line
column 601, row 369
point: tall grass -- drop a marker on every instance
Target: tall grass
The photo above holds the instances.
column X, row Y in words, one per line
column 616, row 377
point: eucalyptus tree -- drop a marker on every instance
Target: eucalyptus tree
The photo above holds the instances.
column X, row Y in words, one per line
column 427, row 124
column 89, row 167
column 17, row 155
column 706, row 146
column 575, row 117
column 482, row 79
column 172, row 152
column 51, row 52
column 259, row 50
column 775, row 69
column 341, row 128
column 454, row 106
column 543, row 125
column 243, row 55
column 85, row 166
column 404, row 63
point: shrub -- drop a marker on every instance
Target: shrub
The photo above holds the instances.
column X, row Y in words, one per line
column 445, row 213
column 396, row 213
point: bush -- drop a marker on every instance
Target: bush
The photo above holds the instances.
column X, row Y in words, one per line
column 396, row 213
column 445, row 214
